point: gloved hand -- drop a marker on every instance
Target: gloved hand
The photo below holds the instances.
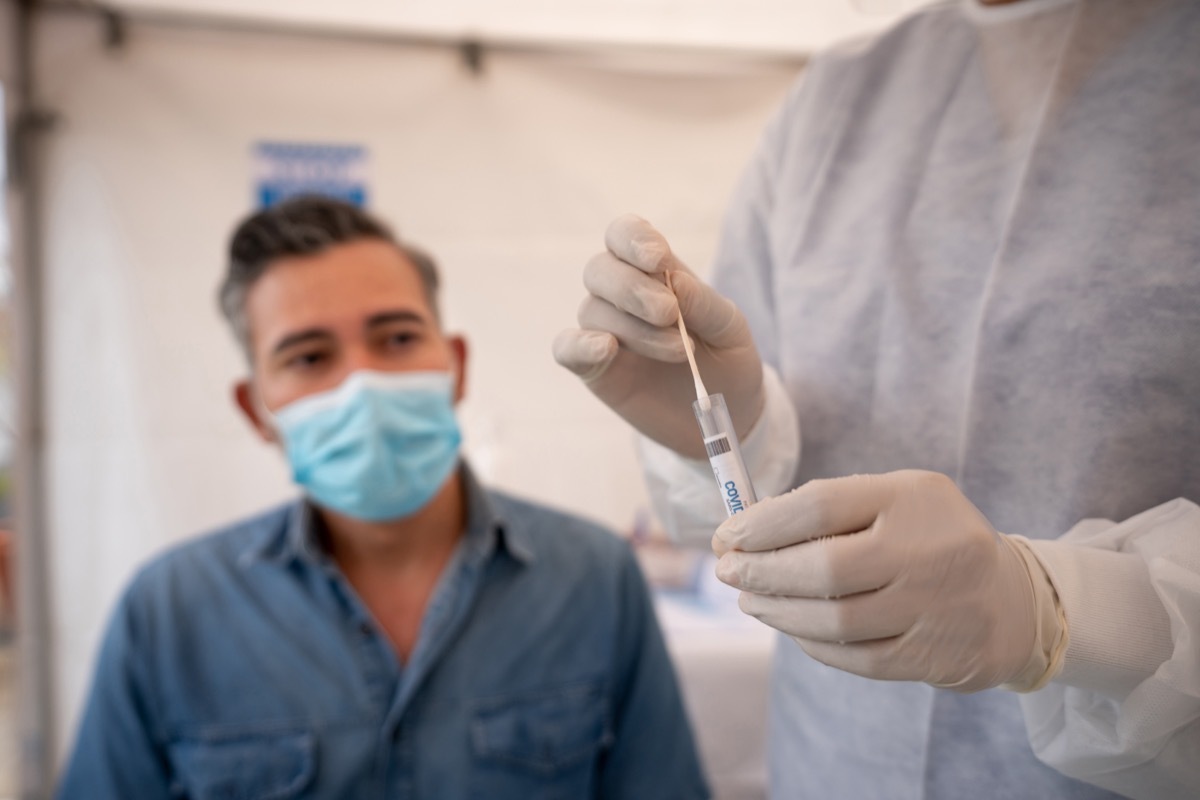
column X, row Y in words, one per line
column 628, row 350
column 895, row 576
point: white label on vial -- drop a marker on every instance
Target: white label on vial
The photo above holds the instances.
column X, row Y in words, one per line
column 730, row 473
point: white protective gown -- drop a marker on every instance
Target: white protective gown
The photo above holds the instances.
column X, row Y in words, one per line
column 972, row 245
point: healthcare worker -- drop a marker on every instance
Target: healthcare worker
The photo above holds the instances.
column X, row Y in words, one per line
column 963, row 268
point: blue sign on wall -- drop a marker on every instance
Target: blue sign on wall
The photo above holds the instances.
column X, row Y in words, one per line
column 287, row 169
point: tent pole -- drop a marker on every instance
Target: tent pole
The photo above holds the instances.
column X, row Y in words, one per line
column 34, row 672
column 473, row 48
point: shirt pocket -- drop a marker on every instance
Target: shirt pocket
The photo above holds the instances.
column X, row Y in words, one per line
column 541, row 744
column 242, row 766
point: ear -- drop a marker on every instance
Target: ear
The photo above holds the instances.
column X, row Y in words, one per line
column 243, row 396
column 458, row 349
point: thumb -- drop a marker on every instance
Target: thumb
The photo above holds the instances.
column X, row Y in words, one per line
column 708, row 314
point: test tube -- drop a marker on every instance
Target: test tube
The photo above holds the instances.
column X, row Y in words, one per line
column 724, row 453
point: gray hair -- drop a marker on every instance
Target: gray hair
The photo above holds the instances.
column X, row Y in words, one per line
column 298, row 227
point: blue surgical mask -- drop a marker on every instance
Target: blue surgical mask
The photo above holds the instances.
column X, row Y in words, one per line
column 377, row 447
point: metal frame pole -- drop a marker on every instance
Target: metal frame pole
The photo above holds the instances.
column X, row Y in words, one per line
column 35, row 693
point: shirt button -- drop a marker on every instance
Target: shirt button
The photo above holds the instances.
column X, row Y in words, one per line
column 365, row 630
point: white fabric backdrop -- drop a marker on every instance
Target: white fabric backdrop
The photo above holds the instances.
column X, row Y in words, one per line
column 509, row 179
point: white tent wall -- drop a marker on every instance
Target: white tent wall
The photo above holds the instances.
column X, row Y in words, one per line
column 508, row 177
column 782, row 26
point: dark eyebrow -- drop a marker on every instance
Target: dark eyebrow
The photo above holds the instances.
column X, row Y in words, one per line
column 387, row 317
column 299, row 337
column 320, row 334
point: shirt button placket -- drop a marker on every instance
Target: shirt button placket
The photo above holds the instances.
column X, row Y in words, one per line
column 397, row 749
column 376, row 673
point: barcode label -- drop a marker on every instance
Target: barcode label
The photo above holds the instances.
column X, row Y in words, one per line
column 717, row 446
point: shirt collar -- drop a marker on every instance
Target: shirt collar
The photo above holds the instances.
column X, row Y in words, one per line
column 299, row 537
column 485, row 522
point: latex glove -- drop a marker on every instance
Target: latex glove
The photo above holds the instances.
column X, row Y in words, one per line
column 628, row 350
column 894, row 576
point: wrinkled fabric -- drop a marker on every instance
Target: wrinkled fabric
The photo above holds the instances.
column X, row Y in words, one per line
column 1139, row 713
column 244, row 665
column 970, row 245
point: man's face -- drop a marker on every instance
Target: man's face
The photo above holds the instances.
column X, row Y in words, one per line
column 315, row 319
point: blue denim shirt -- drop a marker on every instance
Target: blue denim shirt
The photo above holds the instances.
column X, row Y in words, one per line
column 242, row 665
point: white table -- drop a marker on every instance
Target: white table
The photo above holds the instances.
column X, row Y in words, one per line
column 723, row 659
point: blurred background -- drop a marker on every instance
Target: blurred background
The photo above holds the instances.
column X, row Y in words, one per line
column 502, row 135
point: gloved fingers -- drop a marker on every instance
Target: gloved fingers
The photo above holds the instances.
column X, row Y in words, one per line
column 644, row 296
column 872, row 659
column 858, row 618
column 838, row 566
column 818, row 508
column 635, row 241
column 710, row 316
column 633, row 334
column 586, row 353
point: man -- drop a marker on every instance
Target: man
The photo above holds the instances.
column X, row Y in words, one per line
column 400, row 631
column 964, row 265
